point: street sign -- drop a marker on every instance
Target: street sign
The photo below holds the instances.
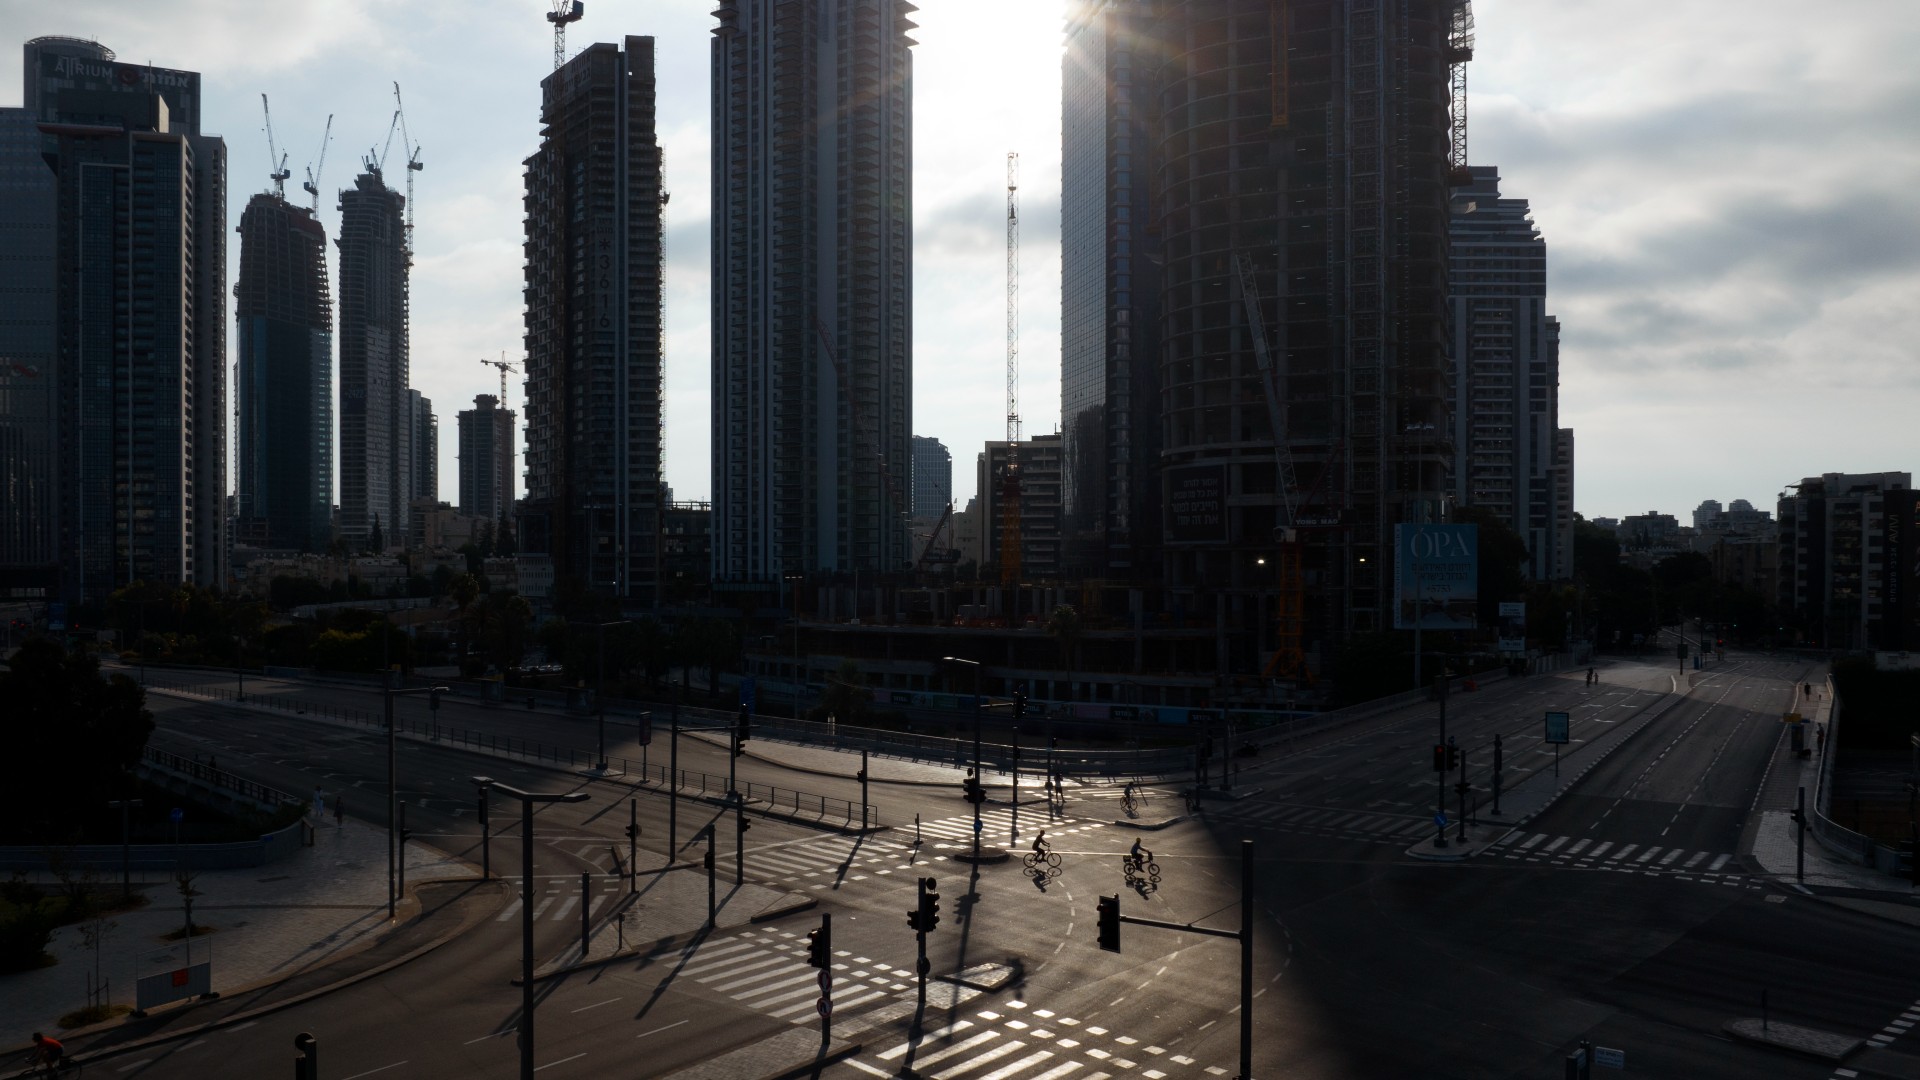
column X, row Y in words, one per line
column 1440, row 820
column 1559, row 726
column 825, row 1006
column 746, row 692
column 176, row 815
column 1791, row 718
column 1608, row 1058
column 646, row 728
column 976, row 826
column 825, row 980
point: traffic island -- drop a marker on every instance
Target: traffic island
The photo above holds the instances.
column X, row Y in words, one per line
column 1825, row 1045
column 985, row 855
column 1149, row 824
column 1479, row 838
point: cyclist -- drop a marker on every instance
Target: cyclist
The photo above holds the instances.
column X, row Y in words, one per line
column 1041, row 849
column 48, row 1051
column 1127, row 798
column 1141, row 856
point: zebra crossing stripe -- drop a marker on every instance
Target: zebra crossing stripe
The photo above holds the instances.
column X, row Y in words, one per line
column 1577, row 845
column 1058, row 1071
column 1698, row 858
column 957, row 1048
column 1599, row 849
column 512, row 910
column 1532, row 840
column 711, row 958
column 937, row 1033
column 1341, row 821
column 1718, row 862
column 1557, row 841
column 1623, row 852
column 1647, row 854
column 1671, row 855
column 545, row 901
column 808, row 989
column 763, row 968
column 992, row 1055
column 1019, row 1066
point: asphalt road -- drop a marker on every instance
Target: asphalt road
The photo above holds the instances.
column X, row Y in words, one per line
column 1613, row 917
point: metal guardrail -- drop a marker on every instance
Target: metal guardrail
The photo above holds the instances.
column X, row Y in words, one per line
column 540, row 751
column 220, row 778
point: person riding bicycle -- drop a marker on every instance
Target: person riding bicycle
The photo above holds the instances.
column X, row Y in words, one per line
column 1040, row 845
column 1141, row 856
column 47, row 1051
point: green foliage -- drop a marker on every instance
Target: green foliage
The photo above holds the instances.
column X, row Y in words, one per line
column 26, row 928
column 847, row 698
column 74, row 738
column 1501, row 564
column 338, row 649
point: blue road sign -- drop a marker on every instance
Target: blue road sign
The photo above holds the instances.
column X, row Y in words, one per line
column 976, row 826
column 176, row 815
column 1440, row 820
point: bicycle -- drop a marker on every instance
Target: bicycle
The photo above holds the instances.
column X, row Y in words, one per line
column 1131, row 800
column 1138, row 874
column 64, row 1069
column 1035, row 860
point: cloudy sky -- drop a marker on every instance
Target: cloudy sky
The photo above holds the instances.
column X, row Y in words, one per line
column 1730, row 195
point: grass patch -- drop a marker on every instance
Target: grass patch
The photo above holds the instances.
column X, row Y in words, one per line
column 199, row 930
column 92, row 1014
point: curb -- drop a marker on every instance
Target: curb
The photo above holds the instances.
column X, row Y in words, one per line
column 1806, row 1042
column 118, row 1049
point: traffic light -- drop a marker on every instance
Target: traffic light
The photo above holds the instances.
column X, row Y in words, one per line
column 1453, row 756
column 742, row 732
column 820, row 945
column 743, row 824
column 929, row 907
column 1110, row 922
column 1440, row 757
column 1019, row 704
column 1794, row 814
column 973, row 792
column 633, row 832
column 707, row 859
column 433, row 699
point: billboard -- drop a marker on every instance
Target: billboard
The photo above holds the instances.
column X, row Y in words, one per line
column 1436, row 576
column 1197, row 504
column 1513, row 626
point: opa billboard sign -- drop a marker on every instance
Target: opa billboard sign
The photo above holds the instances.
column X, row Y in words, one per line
column 1436, row 576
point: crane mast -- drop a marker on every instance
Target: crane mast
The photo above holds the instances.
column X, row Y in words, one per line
column 414, row 164
column 1010, row 543
column 564, row 12
column 313, row 171
column 276, row 160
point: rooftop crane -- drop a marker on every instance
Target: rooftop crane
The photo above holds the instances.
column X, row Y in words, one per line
column 505, row 366
column 564, row 12
column 1010, row 492
column 1289, row 657
column 313, row 171
column 276, row 159
column 413, row 158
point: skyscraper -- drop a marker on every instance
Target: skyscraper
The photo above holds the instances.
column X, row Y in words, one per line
column 812, row 287
column 283, row 448
column 1506, row 374
column 593, row 266
column 423, row 447
column 1109, row 294
column 138, row 423
column 29, row 390
column 376, row 474
column 486, row 459
column 1300, row 163
column 932, row 477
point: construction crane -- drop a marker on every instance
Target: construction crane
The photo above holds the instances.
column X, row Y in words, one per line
column 505, row 366
column 277, row 160
column 933, row 538
column 313, row 171
column 564, row 12
column 1459, row 51
column 413, row 158
column 1010, row 543
column 1289, row 655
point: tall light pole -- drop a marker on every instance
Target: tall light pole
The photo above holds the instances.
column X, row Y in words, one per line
column 600, row 690
column 527, row 800
column 979, row 777
column 387, row 694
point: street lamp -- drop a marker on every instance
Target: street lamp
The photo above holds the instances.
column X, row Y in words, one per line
column 527, row 799
column 600, row 690
column 979, row 777
column 388, row 693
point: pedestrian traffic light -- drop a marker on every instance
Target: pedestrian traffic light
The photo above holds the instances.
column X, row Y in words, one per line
column 633, row 832
column 820, row 945
column 913, row 920
column 743, row 824
column 707, row 859
column 1109, row 907
column 746, row 728
column 974, row 793
column 1794, row 814
column 1439, row 757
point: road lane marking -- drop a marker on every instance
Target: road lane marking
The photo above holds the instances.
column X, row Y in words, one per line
column 596, row 1005
column 658, row 1030
column 550, row 1064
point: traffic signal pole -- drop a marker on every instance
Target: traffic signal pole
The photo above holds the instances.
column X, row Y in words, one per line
column 1110, row 918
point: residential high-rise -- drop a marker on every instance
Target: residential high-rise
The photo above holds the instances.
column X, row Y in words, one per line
column 138, row 416
column 423, row 447
column 376, row 467
column 1506, row 374
column 486, row 459
column 932, row 477
column 1846, row 540
column 1041, row 460
column 1310, row 143
column 283, row 445
column 28, row 387
column 593, row 272
column 812, row 287
column 1109, row 294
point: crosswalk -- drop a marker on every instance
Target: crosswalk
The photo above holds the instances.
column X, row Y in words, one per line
column 1344, row 822
column 1013, row 1040
column 1593, row 853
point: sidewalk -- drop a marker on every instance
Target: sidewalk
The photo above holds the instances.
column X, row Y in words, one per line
column 272, row 922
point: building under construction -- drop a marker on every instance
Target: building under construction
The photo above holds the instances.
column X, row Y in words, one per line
column 376, row 437
column 593, row 273
column 283, row 445
column 1298, row 157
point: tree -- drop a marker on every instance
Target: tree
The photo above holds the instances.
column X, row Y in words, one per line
column 503, row 541
column 462, row 589
column 74, row 737
column 376, row 540
column 847, row 698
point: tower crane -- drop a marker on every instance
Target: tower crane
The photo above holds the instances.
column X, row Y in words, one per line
column 313, row 171
column 1010, row 543
column 564, row 12
column 1289, row 656
column 278, row 161
column 414, row 164
column 505, row 366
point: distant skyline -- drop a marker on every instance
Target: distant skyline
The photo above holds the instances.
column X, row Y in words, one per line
column 1733, row 245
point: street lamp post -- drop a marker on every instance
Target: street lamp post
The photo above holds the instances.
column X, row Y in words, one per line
column 978, row 776
column 486, row 828
column 527, row 801
column 600, row 690
column 387, row 694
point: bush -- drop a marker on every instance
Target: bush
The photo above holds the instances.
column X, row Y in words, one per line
column 25, row 931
